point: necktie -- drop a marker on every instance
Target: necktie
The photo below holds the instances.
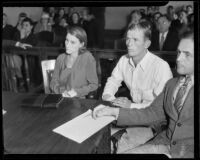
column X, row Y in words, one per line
column 162, row 41
column 181, row 92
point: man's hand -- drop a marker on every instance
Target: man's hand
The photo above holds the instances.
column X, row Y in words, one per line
column 24, row 45
column 102, row 110
column 123, row 102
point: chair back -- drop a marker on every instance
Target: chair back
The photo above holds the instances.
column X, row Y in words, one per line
column 47, row 71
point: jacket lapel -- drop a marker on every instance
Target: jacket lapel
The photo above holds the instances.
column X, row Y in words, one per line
column 188, row 105
column 169, row 100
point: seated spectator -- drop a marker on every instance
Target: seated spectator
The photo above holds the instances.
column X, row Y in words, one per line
column 191, row 21
column 58, row 16
column 142, row 11
column 25, row 35
column 163, row 38
column 68, row 15
column 189, row 9
column 44, row 24
column 60, row 32
column 88, row 25
column 75, row 19
column 135, row 17
column 183, row 22
column 144, row 74
column 170, row 12
column 156, row 15
column 21, row 17
column 75, row 71
column 8, row 30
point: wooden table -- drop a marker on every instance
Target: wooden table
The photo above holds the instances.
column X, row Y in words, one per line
column 29, row 130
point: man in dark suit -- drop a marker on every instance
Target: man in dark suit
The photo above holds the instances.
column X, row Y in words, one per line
column 175, row 104
column 11, row 43
column 164, row 39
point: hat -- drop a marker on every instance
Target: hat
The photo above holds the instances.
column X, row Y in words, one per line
column 45, row 15
column 22, row 14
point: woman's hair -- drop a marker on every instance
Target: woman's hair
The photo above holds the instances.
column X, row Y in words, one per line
column 79, row 33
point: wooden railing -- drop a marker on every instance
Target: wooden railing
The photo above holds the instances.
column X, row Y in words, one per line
column 8, row 75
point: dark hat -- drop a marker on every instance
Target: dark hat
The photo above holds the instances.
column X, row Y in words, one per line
column 22, row 14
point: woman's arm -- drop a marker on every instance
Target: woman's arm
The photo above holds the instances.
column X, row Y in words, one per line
column 54, row 84
column 92, row 79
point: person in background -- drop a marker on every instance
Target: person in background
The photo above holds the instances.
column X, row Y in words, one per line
column 189, row 9
column 8, row 30
column 21, row 17
column 11, row 43
column 25, row 35
column 170, row 12
column 44, row 24
column 145, row 75
column 59, row 15
column 98, row 15
column 88, row 24
column 60, row 32
column 174, row 104
column 163, row 38
column 75, row 72
column 135, row 17
column 75, row 19
column 69, row 14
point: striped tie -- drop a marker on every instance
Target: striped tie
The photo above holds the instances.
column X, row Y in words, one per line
column 181, row 92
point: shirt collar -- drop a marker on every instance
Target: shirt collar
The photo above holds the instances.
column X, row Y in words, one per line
column 143, row 63
column 165, row 34
column 182, row 78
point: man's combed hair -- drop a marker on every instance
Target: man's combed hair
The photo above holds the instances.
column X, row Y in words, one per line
column 144, row 25
column 189, row 34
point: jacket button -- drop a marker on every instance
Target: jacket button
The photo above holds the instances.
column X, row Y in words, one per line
column 174, row 142
column 179, row 124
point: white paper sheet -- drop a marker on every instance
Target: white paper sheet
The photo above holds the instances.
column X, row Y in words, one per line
column 83, row 126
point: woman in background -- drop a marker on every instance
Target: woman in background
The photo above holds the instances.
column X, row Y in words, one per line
column 75, row 71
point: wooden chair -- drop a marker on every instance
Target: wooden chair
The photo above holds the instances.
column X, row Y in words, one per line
column 47, row 71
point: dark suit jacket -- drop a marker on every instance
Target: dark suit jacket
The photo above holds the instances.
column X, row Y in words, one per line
column 170, row 44
column 180, row 131
column 8, row 43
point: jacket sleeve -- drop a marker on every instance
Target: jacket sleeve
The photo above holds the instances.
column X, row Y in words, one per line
column 91, row 75
column 54, row 84
column 146, row 116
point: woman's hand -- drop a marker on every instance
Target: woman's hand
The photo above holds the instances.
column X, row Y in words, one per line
column 71, row 93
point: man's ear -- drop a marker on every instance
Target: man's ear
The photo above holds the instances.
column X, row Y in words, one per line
column 147, row 43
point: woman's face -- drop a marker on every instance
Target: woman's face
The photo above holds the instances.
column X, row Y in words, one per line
column 61, row 12
column 75, row 18
column 72, row 44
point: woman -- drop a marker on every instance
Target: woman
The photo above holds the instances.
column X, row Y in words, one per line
column 75, row 71
column 44, row 24
column 75, row 19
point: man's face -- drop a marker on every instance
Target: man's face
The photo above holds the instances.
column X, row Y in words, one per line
column 135, row 18
column 135, row 42
column 27, row 27
column 163, row 24
column 185, row 57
